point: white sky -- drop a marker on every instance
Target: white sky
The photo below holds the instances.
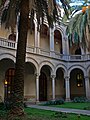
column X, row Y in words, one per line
column 75, row 2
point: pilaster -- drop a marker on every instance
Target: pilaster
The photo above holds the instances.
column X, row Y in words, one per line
column 87, row 87
column 67, row 86
column 53, row 87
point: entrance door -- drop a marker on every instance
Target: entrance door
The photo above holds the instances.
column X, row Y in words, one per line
column 42, row 87
column 9, row 76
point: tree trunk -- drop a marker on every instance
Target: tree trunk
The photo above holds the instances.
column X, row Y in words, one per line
column 17, row 95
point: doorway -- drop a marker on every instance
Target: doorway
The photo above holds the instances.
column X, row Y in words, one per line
column 9, row 76
column 42, row 87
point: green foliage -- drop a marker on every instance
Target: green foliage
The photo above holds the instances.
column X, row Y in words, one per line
column 80, row 99
column 60, row 115
column 3, row 112
column 55, row 102
column 77, row 24
column 87, row 108
column 37, row 114
column 2, row 106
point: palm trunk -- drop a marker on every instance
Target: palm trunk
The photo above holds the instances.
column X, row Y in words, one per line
column 17, row 96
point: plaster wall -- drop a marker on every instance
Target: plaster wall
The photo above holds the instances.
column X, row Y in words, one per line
column 29, row 86
column 4, row 33
column 30, row 39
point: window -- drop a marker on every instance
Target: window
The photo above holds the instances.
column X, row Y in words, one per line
column 9, row 76
column 12, row 37
column 79, row 80
column 44, row 31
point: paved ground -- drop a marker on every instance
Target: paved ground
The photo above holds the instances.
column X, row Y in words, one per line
column 67, row 110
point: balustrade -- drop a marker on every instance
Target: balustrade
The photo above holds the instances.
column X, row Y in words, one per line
column 7, row 43
column 12, row 44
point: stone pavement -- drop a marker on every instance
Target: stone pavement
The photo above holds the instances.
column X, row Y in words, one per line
column 67, row 110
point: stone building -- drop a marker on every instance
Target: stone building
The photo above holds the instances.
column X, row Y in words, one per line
column 53, row 68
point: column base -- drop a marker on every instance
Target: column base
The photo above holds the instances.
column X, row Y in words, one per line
column 68, row 100
column 37, row 102
column 88, row 97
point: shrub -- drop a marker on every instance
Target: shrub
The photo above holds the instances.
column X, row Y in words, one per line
column 25, row 105
column 3, row 114
column 80, row 99
column 87, row 108
column 55, row 102
column 2, row 106
column 60, row 114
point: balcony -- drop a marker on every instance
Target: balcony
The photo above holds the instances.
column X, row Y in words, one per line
column 4, row 43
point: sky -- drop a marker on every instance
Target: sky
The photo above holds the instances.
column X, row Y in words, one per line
column 75, row 2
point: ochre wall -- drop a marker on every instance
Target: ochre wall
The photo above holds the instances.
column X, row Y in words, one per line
column 4, row 33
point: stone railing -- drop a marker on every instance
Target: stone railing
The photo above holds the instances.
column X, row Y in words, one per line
column 7, row 43
column 44, row 52
column 31, row 49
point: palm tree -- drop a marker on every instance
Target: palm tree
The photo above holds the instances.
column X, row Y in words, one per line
column 25, row 8
column 78, row 28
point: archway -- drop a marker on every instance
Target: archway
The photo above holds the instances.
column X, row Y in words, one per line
column 45, row 83
column 58, row 42
column 5, row 65
column 12, row 37
column 44, row 37
column 31, row 34
column 77, row 83
column 30, row 81
column 78, row 51
column 8, row 83
column 43, row 87
column 60, row 83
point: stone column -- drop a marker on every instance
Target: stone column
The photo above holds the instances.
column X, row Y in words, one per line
column 37, row 87
column 53, row 87
column 67, row 86
column 51, row 42
column 37, row 37
column 17, row 30
column 87, row 87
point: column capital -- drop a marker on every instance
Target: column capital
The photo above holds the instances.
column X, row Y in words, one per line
column 86, row 77
column 65, row 38
column 37, row 75
column 53, row 76
column 66, row 77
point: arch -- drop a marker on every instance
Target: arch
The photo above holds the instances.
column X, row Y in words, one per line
column 46, row 24
column 63, row 67
column 58, row 41
column 12, row 37
column 57, row 34
column 34, row 62
column 77, row 66
column 44, row 37
column 61, row 30
column 77, row 83
column 78, row 51
column 44, row 30
column 7, row 55
column 49, row 64
column 42, row 87
column 9, row 77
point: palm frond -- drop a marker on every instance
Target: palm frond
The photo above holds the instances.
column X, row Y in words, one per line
column 78, row 24
column 66, row 6
column 9, row 14
column 42, row 8
column 88, row 18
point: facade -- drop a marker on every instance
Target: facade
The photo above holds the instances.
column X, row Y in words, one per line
column 53, row 68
